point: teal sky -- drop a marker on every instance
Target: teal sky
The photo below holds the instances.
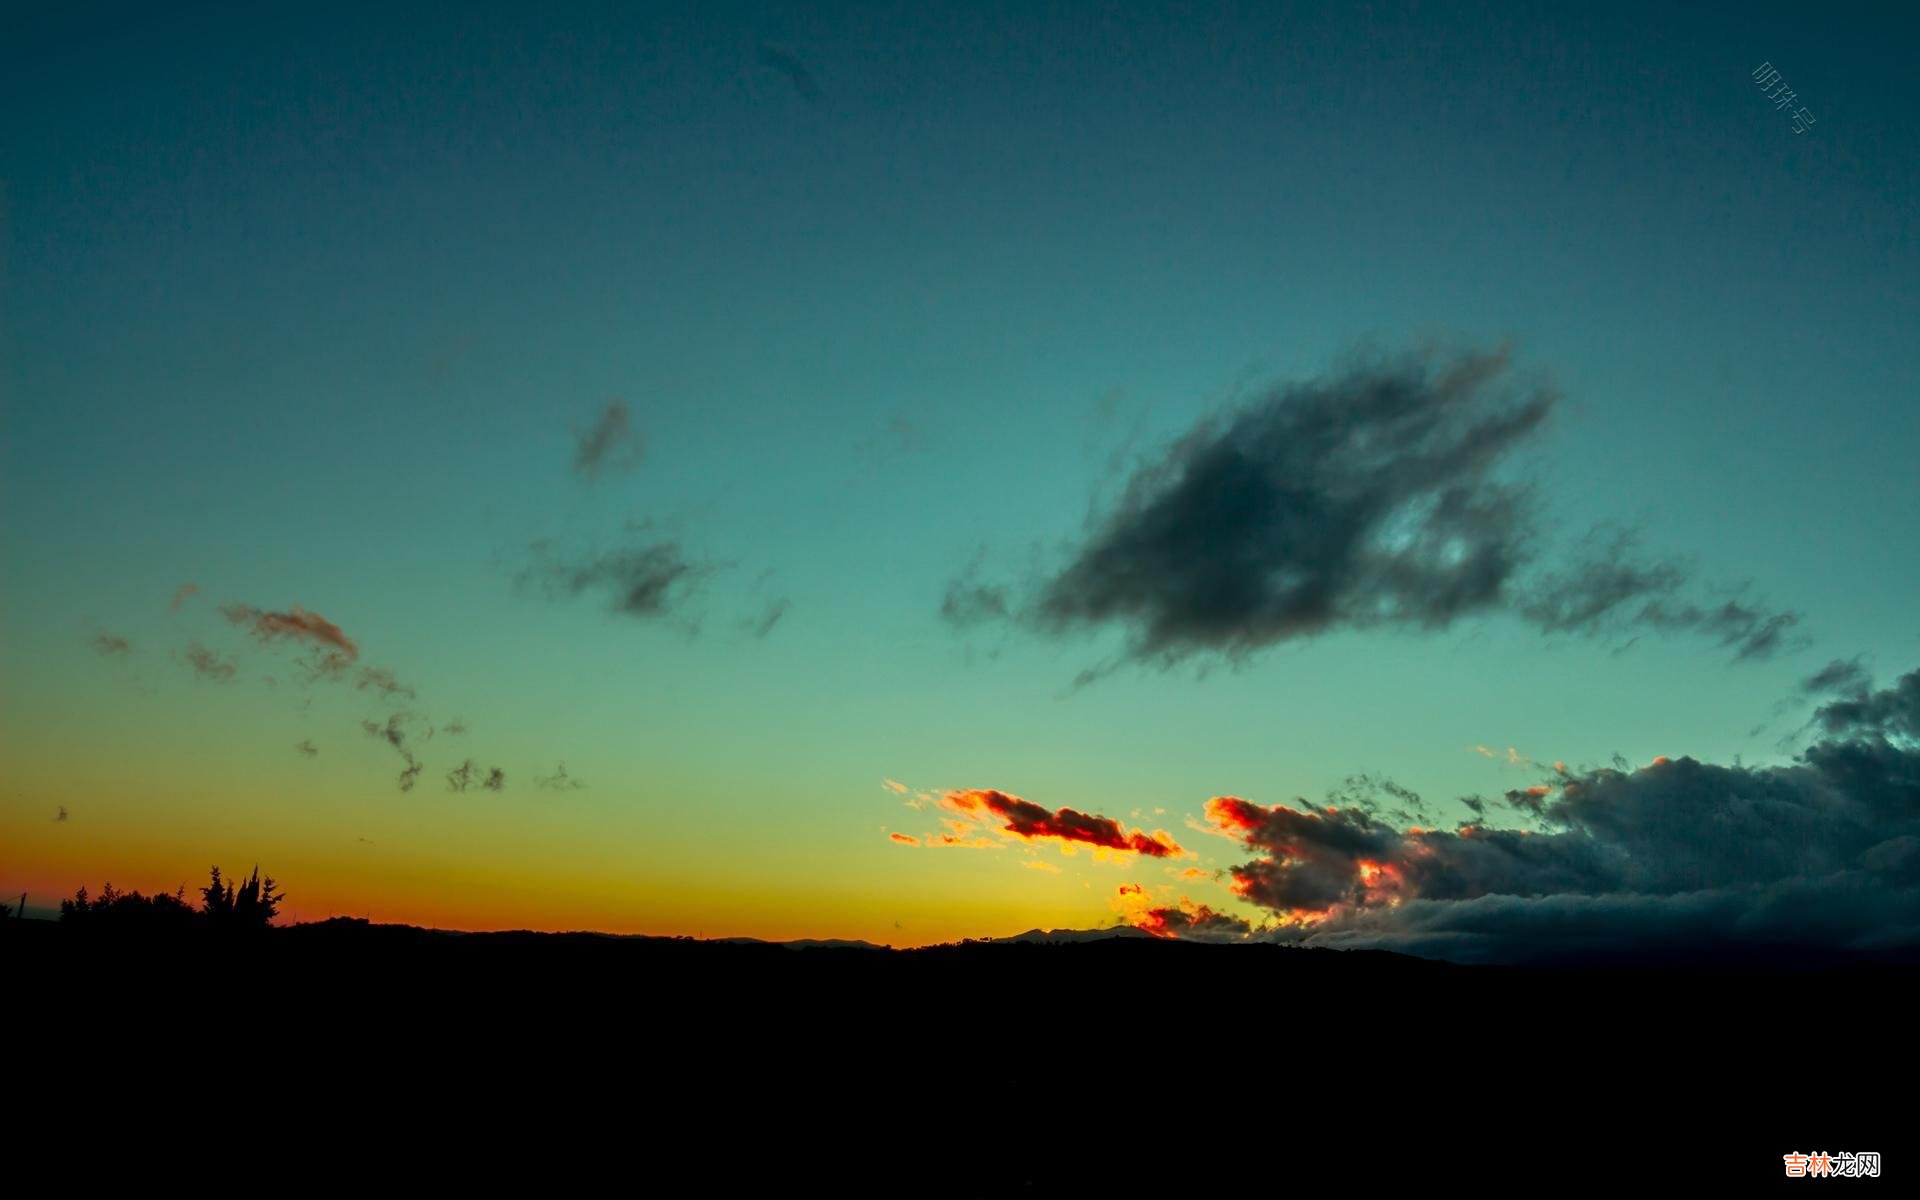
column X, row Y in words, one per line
column 311, row 307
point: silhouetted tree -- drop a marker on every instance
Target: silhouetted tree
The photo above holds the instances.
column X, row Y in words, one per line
column 128, row 910
column 224, row 905
column 251, row 905
column 216, row 901
column 256, row 902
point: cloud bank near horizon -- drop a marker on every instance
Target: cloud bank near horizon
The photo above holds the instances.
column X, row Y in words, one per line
column 1667, row 859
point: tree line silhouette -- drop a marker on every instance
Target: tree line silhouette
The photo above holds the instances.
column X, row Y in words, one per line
column 225, row 905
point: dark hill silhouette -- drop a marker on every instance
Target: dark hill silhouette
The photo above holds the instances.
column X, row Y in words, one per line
column 1049, row 1056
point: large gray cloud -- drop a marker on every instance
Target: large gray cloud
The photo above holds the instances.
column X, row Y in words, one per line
column 1823, row 852
column 1377, row 497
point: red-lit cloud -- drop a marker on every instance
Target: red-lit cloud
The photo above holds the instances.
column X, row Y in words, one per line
column 299, row 625
column 1025, row 819
column 1183, row 919
column 1664, row 859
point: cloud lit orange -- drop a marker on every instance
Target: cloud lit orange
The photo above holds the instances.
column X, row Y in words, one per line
column 1030, row 821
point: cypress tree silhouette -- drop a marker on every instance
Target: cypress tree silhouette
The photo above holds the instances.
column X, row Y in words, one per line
column 251, row 905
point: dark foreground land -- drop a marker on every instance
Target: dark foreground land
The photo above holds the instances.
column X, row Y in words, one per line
column 535, row 1060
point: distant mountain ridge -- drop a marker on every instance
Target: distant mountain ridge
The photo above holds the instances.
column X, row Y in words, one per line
column 1061, row 936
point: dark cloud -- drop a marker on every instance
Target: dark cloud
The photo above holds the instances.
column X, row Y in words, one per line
column 398, row 731
column 323, row 665
column 308, row 748
column 61, row 815
column 969, row 602
column 381, row 680
column 182, row 594
column 1839, row 677
column 1609, row 593
column 1374, row 498
column 461, row 777
column 611, row 446
column 1375, row 794
column 111, row 645
column 1026, row 819
column 1824, row 851
column 1186, row 919
column 771, row 617
column 468, row 774
column 1365, row 500
column 454, row 728
column 208, row 665
column 1892, row 713
column 1529, row 800
column 1195, row 921
column 297, row 625
column 647, row 581
column 788, row 64
column 559, row 781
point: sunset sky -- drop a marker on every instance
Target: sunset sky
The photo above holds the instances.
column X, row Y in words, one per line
column 759, row 431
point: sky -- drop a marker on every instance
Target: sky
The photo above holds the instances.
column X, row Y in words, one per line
column 758, row 431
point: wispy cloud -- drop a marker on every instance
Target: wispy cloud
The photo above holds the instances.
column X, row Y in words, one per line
column 559, row 781
column 111, row 645
column 770, row 617
column 1511, row 757
column 643, row 582
column 381, row 680
column 296, row 625
column 611, row 446
column 788, row 64
column 398, row 731
column 208, row 665
column 1839, row 677
column 468, row 774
